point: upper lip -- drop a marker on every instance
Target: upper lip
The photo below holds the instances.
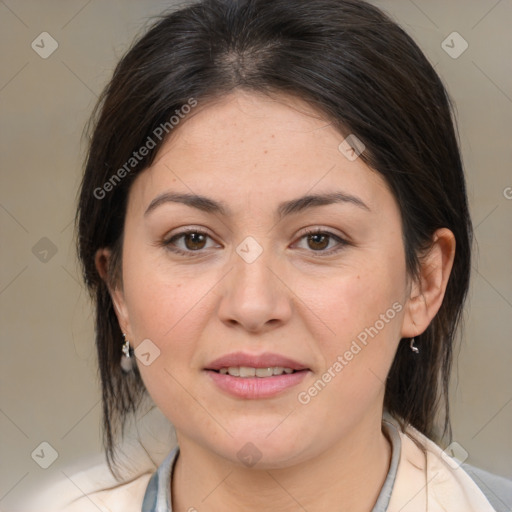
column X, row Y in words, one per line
column 265, row 360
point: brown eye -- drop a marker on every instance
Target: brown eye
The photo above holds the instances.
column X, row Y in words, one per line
column 321, row 242
column 189, row 242
column 318, row 241
column 194, row 241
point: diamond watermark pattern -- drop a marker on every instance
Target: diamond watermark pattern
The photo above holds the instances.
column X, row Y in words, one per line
column 454, row 454
column 249, row 250
column 44, row 250
column 351, row 147
column 44, row 45
column 454, row 45
column 249, row 454
column 147, row 352
column 45, row 455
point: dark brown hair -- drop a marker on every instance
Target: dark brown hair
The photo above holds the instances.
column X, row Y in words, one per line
column 361, row 71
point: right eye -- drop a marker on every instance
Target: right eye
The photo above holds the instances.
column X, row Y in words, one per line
column 187, row 242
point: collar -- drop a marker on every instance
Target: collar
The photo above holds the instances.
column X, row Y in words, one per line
column 158, row 492
column 429, row 480
column 420, row 478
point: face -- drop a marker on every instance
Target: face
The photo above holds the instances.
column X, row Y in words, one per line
column 316, row 286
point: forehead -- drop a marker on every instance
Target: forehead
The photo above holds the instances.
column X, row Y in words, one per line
column 247, row 145
column 253, row 127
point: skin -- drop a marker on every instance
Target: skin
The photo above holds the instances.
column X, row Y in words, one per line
column 253, row 152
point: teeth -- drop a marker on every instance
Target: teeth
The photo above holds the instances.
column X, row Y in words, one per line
column 246, row 371
column 264, row 372
column 243, row 371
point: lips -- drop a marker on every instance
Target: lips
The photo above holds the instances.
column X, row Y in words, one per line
column 265, row 360
column 257, row 387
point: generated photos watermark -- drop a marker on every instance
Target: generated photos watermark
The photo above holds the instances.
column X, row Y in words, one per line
column 159, row 133
column 361, row 341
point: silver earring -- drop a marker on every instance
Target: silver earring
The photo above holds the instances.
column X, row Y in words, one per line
column 127, row 362
column 413, row 348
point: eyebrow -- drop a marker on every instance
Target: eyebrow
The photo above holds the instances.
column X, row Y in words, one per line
column 285, row 208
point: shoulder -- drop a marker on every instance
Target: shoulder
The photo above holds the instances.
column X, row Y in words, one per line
column 497, row 489
column 125, row 497
column 465, row 480
column 87, row 484
column 451, row 483
column 91, row 488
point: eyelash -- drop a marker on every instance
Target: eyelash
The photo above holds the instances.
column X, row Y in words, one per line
column 342, row 243
column 316, row 231
column 168, row 243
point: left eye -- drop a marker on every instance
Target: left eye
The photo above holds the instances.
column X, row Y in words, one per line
column 320, row 241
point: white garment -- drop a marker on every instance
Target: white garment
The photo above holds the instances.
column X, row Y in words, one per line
column 425, row 481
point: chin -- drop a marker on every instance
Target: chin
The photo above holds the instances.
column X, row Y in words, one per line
column 264, row 448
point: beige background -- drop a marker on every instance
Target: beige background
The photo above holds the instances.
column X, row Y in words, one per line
column 48, row 389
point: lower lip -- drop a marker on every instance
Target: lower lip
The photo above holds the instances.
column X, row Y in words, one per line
column 256, row 387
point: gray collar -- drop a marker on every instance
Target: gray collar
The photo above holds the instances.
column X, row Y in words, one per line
column 158, row 492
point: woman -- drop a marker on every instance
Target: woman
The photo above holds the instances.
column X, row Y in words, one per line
column 274, row 227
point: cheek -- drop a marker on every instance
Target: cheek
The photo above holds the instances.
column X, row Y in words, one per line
column 168, row 312
column 161, row 300
column 365, row 315
column 161, row 309
column 361, row 315
column 353, row 301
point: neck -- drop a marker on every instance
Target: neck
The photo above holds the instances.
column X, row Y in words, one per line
column 346, row 477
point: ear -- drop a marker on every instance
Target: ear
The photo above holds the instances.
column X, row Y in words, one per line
column 427, row 292
column 102, row 261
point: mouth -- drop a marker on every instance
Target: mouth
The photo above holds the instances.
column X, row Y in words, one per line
column 246, row 372
column 255, row 376
column 254, row 387
column 250, row 365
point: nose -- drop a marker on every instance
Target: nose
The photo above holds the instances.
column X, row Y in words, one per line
column 254, row 295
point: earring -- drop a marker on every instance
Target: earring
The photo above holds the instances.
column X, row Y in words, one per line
column 127, row 359
column 413, row 348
